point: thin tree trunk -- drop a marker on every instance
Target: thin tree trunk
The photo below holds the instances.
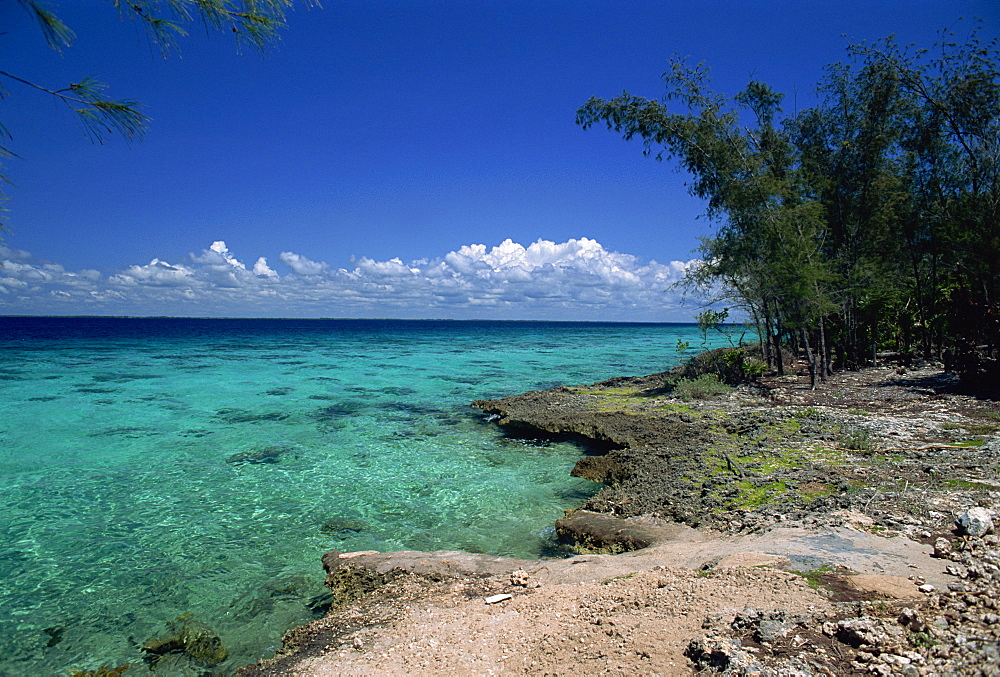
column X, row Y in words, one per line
column 777, row 346
column 811, row 359
column 764, row 332
column 824, row 357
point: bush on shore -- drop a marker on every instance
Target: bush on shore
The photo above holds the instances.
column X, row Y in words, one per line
column 702, row 387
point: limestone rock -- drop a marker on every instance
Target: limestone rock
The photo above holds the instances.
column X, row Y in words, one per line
column 942, row 548
column 520, row 578
column 601, row 533
column 975, row 522
column 724, row 656
column 868, row 632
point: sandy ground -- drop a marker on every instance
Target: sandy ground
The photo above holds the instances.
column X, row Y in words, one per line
column 633, row 613
column 637, row 623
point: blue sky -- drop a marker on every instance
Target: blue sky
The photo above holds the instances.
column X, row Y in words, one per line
column 390, row 158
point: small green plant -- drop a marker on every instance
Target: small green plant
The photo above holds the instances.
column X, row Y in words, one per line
column 857, row 439
column 701, row 388
column 922, row 639
column 808, row 412
column 815, row 577
column 753, row 367
column 857, row 412
column 683, row 346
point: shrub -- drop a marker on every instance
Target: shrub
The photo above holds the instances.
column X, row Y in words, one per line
column 754, row 368
column 857, row 440
column 700, row 388
column 731, row 365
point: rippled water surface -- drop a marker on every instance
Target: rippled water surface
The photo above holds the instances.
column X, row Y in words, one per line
column 157, row 467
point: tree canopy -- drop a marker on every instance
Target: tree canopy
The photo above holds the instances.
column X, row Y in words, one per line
column 254, row 24
column 868, row 222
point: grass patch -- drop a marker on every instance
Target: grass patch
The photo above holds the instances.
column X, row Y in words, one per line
column 815, row 577
column 610, row 399
column 677, row 408
column 981, row 429
column 972, row 428
column 751, row 496
column 970, row 443
column 789, row 461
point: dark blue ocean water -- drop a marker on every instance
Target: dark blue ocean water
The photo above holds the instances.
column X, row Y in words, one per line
column 154, row 467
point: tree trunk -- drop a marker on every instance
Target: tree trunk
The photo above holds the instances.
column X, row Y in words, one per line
column 824, row 356
column 810, row 358
column 777, row 346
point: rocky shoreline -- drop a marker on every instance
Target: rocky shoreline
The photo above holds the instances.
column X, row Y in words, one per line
column 849, row 494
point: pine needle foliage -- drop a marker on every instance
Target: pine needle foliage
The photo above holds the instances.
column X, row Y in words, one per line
column 254, row 24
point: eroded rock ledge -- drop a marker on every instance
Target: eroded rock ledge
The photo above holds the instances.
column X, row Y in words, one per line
column 873, row 442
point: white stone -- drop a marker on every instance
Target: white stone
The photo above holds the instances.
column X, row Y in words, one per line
column 975, row 521
column 497, row 598
column 519, row 577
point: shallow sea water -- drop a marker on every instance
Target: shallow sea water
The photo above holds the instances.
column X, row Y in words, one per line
column 157, row 467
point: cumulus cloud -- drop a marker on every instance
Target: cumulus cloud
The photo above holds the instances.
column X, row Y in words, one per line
column 576, row 279
column 155, row 273
column 300, row 265
column 218, row 255
column 261, row 269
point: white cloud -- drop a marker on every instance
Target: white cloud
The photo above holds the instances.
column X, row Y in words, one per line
column 156, row 272
column 576, row 279
column 218, row 254
column 261, row 269
column 393, row 268
column 300, row 265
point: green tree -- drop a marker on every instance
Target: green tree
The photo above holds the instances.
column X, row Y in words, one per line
column 255, row 24
column 870, row 221
column 906, row 148
column 764, row 255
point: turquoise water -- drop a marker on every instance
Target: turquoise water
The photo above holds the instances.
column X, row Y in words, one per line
column 157, row 467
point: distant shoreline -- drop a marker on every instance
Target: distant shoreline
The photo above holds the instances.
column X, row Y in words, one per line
column 352, row 319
